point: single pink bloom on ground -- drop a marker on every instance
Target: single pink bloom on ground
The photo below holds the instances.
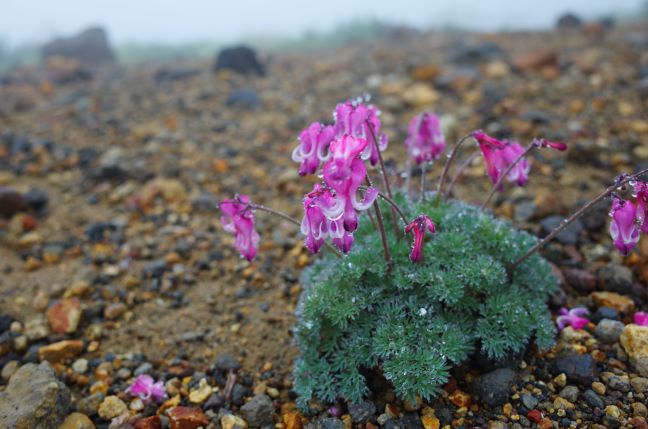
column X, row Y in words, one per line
column 641, row 318
column 146, row 389
column 238, row 219
column 573, row 318
column 623, row 227
column 418, row 227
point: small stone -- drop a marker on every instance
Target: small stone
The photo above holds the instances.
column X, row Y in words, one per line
column 562, row 404
column 621, row 303
column 598, row 387
column 230, row 421
column 529, row 401
column 80, row 366
column 578, row 368
column 560, row 380
column 634, row 340
column 570, row 393
column 593, row 399
column 57, row 352
column 226, row 362
column 536, row 60
column 293, row 420
column 615, row 278
column 609, row 331
column 77, row 421
column 580, row 279
column 613, row 411
column 430, row 422
column 494, row 387
column 187, row 418
column 152, row 422
column 362, row 411
column 64, row 316
column 604, row 313
column 639, row 409
column 460, row 398
column 639, row 384
column 34, row 398
column 618, row 383
column 9, row 369
column 201, row 394
column 246, row 98
column 112, row 407
column 115, row 311
column 37, row 328
column 90, row 404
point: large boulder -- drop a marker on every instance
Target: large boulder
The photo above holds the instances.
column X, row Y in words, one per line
column 240, row 59
column 34, row 399
column 90, row 47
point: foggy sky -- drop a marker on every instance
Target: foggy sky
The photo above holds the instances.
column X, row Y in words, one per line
column 190, row 20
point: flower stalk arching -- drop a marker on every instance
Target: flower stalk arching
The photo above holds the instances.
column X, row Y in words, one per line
column 565, row 223
column 446, row 168
column 462, row 168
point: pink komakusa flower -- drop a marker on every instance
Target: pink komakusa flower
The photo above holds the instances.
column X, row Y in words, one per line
column 623, row 228
column 418, row 227
column 344, row 173
column 146, row 389
column 573, row 318
column 641, row 318
column 355, row 119
column 553, row 145
column 238, row 219
column 425, row 141
column 315, row 225
column 499, row 155
column 519, row 174
column 313, row 147
column 641, row 193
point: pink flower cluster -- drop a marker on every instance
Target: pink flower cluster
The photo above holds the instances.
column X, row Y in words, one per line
column 425, row 141
column 147, row 389
column 629, row 218
column 238, row 219
column 573, row 318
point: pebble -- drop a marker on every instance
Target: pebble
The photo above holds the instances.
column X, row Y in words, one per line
column 604, row 313
column 570, row 393
column 578, row 368
column 619, row 383
column 639, row 409
column 77, row 421
column 112, row 407
column 620, row 303
column 226, row 362
column 615, row 278
column 115, row 311
column 598, row 387
column 59, row 351
column 80, row 366
column 639, row 384
column 9, row 369
column 609, row 331
column 593, row 399
column 230, row 421
column 634, row 340
column 362, row 411
column 201, row 394
column 529, row 401
column 494, row 387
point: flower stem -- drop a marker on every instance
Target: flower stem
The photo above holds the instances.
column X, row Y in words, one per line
column 381, row 229
column 392, row 203
column 459, row 173
column 565, row 223
column 385, row 178
column 446, row 168
column 291, row 219
column 423, row 171
column 497, row 184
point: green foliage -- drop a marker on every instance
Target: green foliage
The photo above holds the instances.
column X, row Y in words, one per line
column 415, row 323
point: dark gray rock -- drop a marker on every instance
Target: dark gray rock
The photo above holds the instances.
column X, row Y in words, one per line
column 581, row 280
column 258, row 411
column 362, row 411
column 11, row 201
column 244, row 98
column 529, row 401
column 472, row 54
column 569, row 21
column 240, row 59
column 90, row 47
column 494, row 388
column 567, row 236
column 617, row 383
column 615, row 278
column 609, row 331
column 604, row 313
column 37, row 199
column 34, row 399
column 570, row 393
column 578, row 368
column 325, row 423
column 226, row 362
column 593, row 399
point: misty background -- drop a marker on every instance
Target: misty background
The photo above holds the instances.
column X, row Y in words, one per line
column 168, row 29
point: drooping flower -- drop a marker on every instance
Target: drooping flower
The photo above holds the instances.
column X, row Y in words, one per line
column 354, row 118
column 623, row 228
column 147, row 389
column 519, row 174
column 344, row 173
column 313, row 147
column 573, row 318
column 641, row 193
column 238, row 219
column 315, row 225
column 418, row 227
column 560, row 146
column 425, row 141
column 641, row 318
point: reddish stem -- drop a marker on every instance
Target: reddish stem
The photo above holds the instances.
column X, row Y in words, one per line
column 446, row 168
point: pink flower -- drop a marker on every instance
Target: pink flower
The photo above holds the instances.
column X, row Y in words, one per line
column 572, row 317
column 553, row 145
column 425, row 141
column 315, row 224
column 344, row 173
column 499, row 155
column 641, row 318
column 641, row 193
column 418, row 227
column 519, row 174
column 238, row 219
column 146, row 389
column 623, row 227
column 354, row 118
column 313, row 147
